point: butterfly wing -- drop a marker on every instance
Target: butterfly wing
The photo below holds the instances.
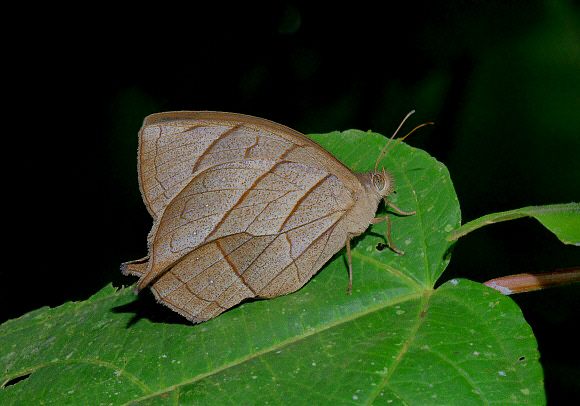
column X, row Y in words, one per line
column 174, row 146
column 243, row 207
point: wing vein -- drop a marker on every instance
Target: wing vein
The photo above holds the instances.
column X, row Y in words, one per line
column 233, row 266
column 299, row 202
column 212, row 145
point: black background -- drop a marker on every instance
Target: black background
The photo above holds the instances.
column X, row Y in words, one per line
column 500, row 80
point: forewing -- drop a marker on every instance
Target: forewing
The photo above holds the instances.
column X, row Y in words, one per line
column 174, row 146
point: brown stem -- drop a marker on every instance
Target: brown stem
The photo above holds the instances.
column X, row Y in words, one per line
column 527, row 282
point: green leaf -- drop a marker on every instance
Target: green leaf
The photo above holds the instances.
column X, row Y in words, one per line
column 561, row 219
column 393, row 339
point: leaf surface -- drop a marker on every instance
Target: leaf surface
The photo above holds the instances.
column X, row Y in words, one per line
column 394, row 339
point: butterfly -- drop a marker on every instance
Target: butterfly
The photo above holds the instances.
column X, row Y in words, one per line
column 244, row 207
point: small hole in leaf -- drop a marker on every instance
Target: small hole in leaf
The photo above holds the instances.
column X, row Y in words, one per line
column 521, row 359
column 14, row 381
column 381, row 246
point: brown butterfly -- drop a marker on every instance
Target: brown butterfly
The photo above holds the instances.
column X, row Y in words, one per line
column 242, row 208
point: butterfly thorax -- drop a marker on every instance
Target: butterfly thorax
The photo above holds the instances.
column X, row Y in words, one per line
column 374, row 187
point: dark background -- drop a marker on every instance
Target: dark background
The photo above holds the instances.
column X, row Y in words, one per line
column 501, row 80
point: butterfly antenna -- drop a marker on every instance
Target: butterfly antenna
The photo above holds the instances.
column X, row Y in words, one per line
column 400, row 139
column 390, row 139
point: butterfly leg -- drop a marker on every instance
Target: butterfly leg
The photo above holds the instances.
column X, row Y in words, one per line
column 401, row 212
column 386, row 218
column 349, row 258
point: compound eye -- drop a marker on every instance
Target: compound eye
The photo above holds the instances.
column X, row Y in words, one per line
column 379, row 181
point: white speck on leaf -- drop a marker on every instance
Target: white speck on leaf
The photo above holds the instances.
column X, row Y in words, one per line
column 383, row 372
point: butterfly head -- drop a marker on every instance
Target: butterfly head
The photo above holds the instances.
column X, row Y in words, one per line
column 383, row 181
